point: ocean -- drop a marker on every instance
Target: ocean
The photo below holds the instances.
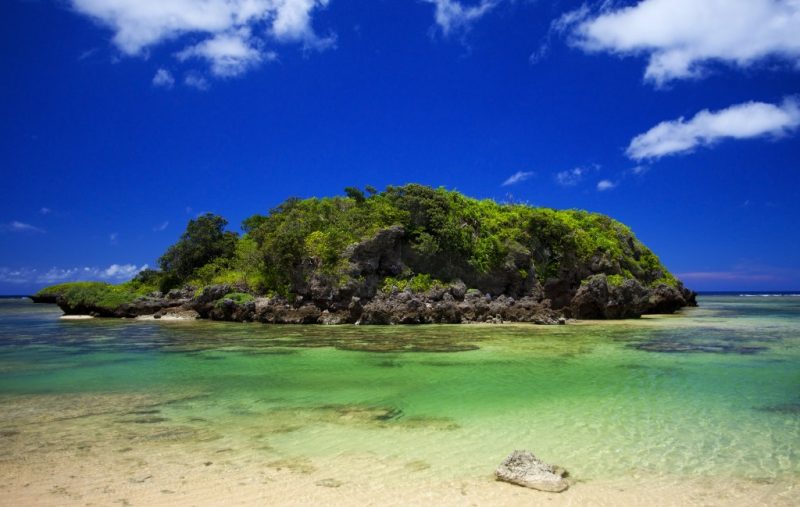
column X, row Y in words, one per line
column 702, row 407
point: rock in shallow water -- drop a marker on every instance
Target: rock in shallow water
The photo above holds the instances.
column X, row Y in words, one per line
column 525, row 469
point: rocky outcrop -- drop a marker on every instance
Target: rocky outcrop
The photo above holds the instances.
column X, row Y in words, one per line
column 598, row 299
column 454, row 304
column 176, row 314
column 444, row 307
column 666, row 299
column 524, row 469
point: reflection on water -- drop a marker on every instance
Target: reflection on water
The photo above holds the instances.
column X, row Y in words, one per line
column 711, row 392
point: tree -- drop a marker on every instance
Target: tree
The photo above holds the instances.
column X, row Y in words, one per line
column 204, row 240
column 355, row 193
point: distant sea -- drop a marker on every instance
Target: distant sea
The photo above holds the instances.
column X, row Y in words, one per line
column 751, row 293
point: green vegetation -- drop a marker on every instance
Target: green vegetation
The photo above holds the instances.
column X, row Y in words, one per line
column 448, row 236
column 417, row 283
column 204, row 241
column 98, row 294
column 237, row 297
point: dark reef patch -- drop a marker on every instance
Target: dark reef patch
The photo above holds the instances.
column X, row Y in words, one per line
column 782, row 408
column 675, row 347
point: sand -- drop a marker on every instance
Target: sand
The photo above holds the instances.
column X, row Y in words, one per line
column 106, row 449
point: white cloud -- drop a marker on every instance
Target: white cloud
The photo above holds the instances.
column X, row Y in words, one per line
column 160, row 227
column 195, row 81
column 17, row 226
column 518, row 177
column 741, row 121
column 16, row 275
column 292, row 22
column 571, row 177
column 680, row 37
column 163, row 79
column 45, row 211
column 121, row 271
column 112, row 273
column 604, row 185
column 113, row 237
column 228, row 54
column 139, row 25
column 452, row 15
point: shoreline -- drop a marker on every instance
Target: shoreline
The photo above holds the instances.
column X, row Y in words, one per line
column 178, row 477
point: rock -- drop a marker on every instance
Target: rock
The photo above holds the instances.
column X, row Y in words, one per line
column 590, row 300
column 377, row 255
column 205, row 301
column 524, row 469
column 185, row 292
column 626, row 301
column 597, row 299
column 473, row 294
column 331, row 319
column 177, row 314
column 665, row 299
column 458, row 289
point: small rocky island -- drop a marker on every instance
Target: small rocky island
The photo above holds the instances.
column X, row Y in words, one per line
column 408, row 255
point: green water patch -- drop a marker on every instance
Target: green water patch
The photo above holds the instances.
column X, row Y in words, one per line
column 449, row 400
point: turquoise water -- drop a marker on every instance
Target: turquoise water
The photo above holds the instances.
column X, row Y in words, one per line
column 714, row 391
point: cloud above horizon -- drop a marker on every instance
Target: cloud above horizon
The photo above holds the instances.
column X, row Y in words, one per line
column 682, row 37
column 517, row 177
column 604, row 185
column 571, row 177
column 163, row 78
column 726, row 276
column 740, row 121
column 112, row 273
column 17, row 226
column 234, row 32
column 453, row 16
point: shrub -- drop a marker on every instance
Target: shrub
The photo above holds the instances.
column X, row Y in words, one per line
column 615, row 280
column 237, row 297
column 417, row 283
column 99, row 294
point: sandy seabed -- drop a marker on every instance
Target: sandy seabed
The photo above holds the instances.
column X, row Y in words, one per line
column 178, row 478
column 111, row 450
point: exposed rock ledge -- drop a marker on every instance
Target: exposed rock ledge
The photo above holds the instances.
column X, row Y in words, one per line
column 596, row 299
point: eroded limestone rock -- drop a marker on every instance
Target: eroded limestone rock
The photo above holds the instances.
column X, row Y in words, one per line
column 524, row 469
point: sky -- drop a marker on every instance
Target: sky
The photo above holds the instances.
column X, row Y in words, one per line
column 120, row 120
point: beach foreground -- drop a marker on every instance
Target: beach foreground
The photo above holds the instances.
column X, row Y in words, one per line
column 694, row 409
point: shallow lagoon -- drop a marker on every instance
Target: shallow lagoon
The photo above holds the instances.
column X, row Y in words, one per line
column 713, row 393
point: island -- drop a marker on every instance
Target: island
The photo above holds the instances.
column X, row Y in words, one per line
column 410, row 254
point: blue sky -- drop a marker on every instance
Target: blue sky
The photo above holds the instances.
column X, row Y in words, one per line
column 122, row 119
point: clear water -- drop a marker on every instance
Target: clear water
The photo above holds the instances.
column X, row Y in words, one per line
column 714, row 391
